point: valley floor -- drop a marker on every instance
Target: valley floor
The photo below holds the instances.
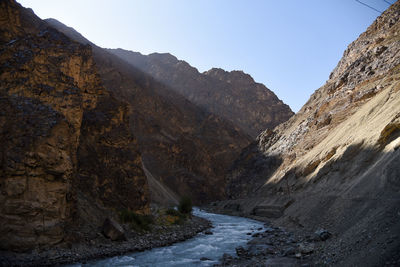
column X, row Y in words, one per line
column 102, row 248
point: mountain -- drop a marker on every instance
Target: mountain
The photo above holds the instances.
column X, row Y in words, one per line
column 85, row 135
column 234, row 95
column 335, row 164
column 68, row 156
column 186, row 149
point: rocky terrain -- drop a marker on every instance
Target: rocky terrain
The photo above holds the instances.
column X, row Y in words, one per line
column 173, row 134
column 85, row 135
column 87, row 132
column 234, row 95
column 101, row 247
column 68, row 156
column 335, row 164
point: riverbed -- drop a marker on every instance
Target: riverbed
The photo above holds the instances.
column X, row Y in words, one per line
column 205, row 249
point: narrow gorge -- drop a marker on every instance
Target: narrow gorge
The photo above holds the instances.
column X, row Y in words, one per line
column 104, row 151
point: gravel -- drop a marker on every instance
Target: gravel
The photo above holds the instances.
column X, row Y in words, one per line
column 102, row 248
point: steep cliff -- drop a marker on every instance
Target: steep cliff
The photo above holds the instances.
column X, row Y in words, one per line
column 65, row 140
column 184, row 148
column 338, row 157
column 234, row 95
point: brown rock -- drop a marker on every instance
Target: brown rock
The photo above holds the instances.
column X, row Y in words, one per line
column 112, row 230
column 184, row 148
column 56, row 119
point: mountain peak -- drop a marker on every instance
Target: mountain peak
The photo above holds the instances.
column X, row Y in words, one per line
column 164, row 57
column 69, row 31
column 230, row 76
column 232, row 95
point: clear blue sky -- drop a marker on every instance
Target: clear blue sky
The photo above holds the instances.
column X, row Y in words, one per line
column 291, row 46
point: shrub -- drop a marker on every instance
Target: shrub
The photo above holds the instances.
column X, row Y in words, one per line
column 137, row 222
column 185, row 205
column 173, row 212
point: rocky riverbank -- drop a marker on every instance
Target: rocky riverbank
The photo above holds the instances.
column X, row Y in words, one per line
column 102, row 248
column 305, row 246
column 277, row 247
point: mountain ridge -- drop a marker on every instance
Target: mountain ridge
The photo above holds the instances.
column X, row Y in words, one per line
column 334, row 164
column 247, row 104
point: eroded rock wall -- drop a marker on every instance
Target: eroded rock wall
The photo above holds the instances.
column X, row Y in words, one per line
column 184, row 148
column 57, row 119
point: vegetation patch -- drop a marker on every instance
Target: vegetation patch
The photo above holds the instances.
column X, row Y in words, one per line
column 185, row 205
column 137, row 222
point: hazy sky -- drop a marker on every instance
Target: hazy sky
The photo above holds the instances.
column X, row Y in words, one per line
column 291, row 46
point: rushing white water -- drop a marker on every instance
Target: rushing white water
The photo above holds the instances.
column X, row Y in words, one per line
column 203, row 250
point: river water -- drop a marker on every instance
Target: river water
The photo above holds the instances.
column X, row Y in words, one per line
column 202, row 250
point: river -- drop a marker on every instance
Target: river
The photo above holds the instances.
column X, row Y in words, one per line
column 202, row 250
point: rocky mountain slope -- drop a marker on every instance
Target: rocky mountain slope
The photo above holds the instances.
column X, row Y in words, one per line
column 234, row 95
column 335, row 164
column 184, row 148
column 68, row 157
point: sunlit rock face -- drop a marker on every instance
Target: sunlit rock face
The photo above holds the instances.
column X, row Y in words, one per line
column 234, row 95
column 355, row 108
column 63, row 137
column 336, row 162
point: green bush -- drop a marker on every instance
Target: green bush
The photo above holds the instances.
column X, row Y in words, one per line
column 137, row 222
column 181, row 220
column 185, row 205
column 173, row 212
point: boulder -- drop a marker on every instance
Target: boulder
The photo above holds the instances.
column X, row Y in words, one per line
column 240, row 251
column 112, row 230
column 322, row 235
column 306, row 248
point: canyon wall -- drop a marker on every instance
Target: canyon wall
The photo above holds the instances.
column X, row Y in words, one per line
column 63, row 136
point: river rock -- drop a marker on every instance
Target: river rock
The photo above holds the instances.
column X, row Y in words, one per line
column 289, row 251
column 226, row 259
column 322, row 235
column 241, row 251
column 306, row 248
column 112, row 230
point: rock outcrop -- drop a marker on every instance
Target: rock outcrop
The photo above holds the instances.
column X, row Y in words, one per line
column 63, row 138
column 337, row 159
column 234, row 95
column 184, row 148
column 78, row 128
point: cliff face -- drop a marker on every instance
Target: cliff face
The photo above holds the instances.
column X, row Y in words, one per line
column 338, row 157
column 234, row 95
column 318, row 133
column 183, row 147
column 63, row 137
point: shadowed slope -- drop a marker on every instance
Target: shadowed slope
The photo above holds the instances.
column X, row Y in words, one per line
column 183, row 146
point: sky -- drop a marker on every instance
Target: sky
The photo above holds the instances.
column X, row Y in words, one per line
column 290, row 46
